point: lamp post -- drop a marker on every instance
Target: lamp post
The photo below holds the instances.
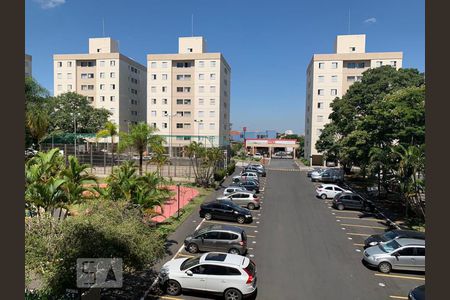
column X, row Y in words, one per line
column 178, row 212
column 198, row 129
column 170, row 132
column 75, row 131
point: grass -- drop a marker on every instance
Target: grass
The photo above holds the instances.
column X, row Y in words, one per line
column 304, row 161
column 172, row 223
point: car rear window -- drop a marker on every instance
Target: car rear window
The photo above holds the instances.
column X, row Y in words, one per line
column 190, row 262
column 251, row 268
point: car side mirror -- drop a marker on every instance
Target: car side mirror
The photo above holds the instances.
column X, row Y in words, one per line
column 395, row 254
column 189, row 273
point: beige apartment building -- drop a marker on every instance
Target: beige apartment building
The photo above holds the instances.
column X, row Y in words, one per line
column 188, row 95
column 28, row 65
column 330, row 75
column 107, row 78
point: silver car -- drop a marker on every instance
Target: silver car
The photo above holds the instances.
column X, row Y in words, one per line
column 398, row 254
column 233, row 189
column 246, row 199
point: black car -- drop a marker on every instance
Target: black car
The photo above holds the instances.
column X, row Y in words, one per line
column 225, row 210
column 352, row 201
column 375, row 239
column 249, row 185
column 418, row 293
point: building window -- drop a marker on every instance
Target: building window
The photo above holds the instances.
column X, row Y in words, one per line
column 59, row 75
column 90, row 99
column 112, row 63
column 187, row 114
column 102, row 98
column 201, row 101
column 201, row 63
column 334, row 65
column 212, row 76
column 69, row 75
column 102, row 63
column 164, row 101
column 165, row 113
column 164, row 125
column 164, row 89
column 225, row 82
column 164, row 64
column 212, row 125
column 187, row 101
column 102, row 75
column 163, row 76
column 394, row 63
column 112, row 75
column 358, row 78
column 321, row 78
column 189, row 49
column 112, row 86
column 212, row 89
column 112, row 98
column 319, row 132
column 319, row 118
column 183, row 77
column 225, row 70
column 200, row 125
column 153, row 101
column 212, row 64
column 179, row 125
column 83, row 87
column 352, row 49
column 179, row 64
column 212, row 113
column 153, row 64
column 59, row 64
column 333, row 92
column 69, row 87
column 350, row 78
column 90, row 75
column 187, row 125
column 201, row 89
column 201, row 76
column 379, row 63
column 321, row 92
column 179, row 101
column 212, row 101
column 91, row 87
column 153, row 113
column 69, row 64
column 319, row 105
column 321, row 65
column 153, row 89
column 334, row 78
column 201, row 113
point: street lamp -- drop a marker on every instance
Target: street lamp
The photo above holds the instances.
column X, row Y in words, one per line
column 198, row 129
column 170, row 132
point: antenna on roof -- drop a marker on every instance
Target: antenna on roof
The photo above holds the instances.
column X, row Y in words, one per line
column 103, row 24
column 192, row 24
column 349, row 21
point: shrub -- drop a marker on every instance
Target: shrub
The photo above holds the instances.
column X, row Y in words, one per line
column 107, row 229
column 220, row 174
column 231, row 167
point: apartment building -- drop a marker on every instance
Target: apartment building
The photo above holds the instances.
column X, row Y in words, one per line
column 28, row 65
column 188, row 95
column 107, row 78
column 330, row 75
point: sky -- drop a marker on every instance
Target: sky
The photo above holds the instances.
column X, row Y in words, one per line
column 268, row 44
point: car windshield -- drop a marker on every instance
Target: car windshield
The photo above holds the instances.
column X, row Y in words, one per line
column 190, row 262
column 390, row 235
column 389, row 246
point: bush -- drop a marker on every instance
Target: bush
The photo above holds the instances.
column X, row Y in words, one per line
column 108, row 229
column 220, row 174
column 231, row 167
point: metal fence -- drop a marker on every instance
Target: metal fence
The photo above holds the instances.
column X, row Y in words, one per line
column 100, row 159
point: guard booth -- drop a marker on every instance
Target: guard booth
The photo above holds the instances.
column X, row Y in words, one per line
column 268, row 147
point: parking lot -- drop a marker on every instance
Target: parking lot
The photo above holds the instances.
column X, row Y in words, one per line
column 305, row 249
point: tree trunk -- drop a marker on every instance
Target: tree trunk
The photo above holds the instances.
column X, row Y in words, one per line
column 140, row 162
column 112, row 152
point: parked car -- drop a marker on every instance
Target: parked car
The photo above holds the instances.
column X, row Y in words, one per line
column 224, row 238
column 317, row 169
column 229, row 275
column 325, row 191
column 315, row 174
column 353, row 201
column 399, row 254
column 225, row 210
column 329, row 175
column 418, row 293
column 261, row 172
column 258, row 166
column 257, row 156
column 246, row 175
column 250, row 185
column 376, row 239
column 246, row 199
column 233, row 189
column 282, row 154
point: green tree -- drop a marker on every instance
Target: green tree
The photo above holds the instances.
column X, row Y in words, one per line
column 37, row 122
column 36, row 98
column 204, row 161
column 109, row 130
column 122, row 182
column 140, row 137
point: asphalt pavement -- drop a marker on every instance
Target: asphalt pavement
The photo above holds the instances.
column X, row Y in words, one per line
column 304, row 249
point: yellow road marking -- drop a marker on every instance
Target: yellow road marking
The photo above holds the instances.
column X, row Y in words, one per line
column 364, row 226
column 400, row 276
column 398, row 297
column 214, row 222
column 170, row 298
column 181, row 254
column 360, row 234
column 349, row 211
column 362, row 219
column 361, row 245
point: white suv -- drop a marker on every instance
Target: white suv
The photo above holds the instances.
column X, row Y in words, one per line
column 229, row 275
column 325, row 191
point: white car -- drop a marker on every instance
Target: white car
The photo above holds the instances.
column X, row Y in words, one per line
column 229, row 275
column 246, row 175
column 257, row 156
column 232, row 189
column 325, row 191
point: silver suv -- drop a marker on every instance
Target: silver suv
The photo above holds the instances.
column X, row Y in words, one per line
column 246, row 199
column 223, row 238
column 398, row 254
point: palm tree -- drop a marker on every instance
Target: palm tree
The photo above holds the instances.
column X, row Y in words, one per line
column 49, row 195
column 38, row 123
column 140, row 136
column 122, row 182
column 110, row 130
column 150, row 193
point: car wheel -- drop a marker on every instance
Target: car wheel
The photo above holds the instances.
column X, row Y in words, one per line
column 234, row 251
column 384, row 267
column 208, row 216
column 173, row 288
column 241, row 220
column 232, row 294
column 368, row 209
column 323, row 196
column 340, row 206
column 192, row 248
column 251, row 206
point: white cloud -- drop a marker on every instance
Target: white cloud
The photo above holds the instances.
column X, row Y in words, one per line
column 370, row 20
column 46, row 4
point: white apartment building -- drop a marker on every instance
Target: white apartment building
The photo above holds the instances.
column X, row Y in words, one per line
column 28, row 65
column 330, row 75
column 188, row 95
column 107, row 78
